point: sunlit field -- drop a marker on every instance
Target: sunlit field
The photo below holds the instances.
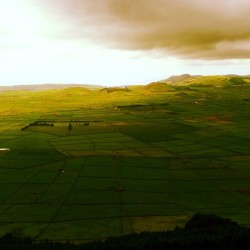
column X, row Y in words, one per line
column 88, row 164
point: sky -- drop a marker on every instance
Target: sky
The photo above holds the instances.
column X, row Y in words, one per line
column 121, row 42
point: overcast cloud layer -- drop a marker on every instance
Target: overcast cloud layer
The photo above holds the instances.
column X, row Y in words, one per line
column 116, row 42
column 201, row 29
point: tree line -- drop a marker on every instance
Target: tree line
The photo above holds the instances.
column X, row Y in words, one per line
column 201, row 232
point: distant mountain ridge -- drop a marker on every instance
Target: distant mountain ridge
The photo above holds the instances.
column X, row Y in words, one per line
column 47, row 86
column 181, row 78
column 159, row 86
column 178, row 78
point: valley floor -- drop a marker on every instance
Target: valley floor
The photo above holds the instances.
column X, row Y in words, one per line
column 89, row 166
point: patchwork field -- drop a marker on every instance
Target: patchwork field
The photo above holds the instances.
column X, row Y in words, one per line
column 106, row 163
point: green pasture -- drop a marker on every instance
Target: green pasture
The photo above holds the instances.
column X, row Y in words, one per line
column 147, row 160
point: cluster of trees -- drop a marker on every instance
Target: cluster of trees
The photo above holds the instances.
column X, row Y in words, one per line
column 51, row 123
column 71, row 125
column 114, row 89
column 206, row 232
column 84, row 121
column 41, row 124
column 37, row 123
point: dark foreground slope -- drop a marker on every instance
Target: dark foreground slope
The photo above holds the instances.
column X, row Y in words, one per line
column 201, row 232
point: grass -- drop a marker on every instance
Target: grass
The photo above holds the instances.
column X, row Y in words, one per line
column 156, row 156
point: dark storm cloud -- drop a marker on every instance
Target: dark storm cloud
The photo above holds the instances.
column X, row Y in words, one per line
column 201, row 29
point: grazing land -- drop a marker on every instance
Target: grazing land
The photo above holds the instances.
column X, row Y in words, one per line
column 83, row 164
